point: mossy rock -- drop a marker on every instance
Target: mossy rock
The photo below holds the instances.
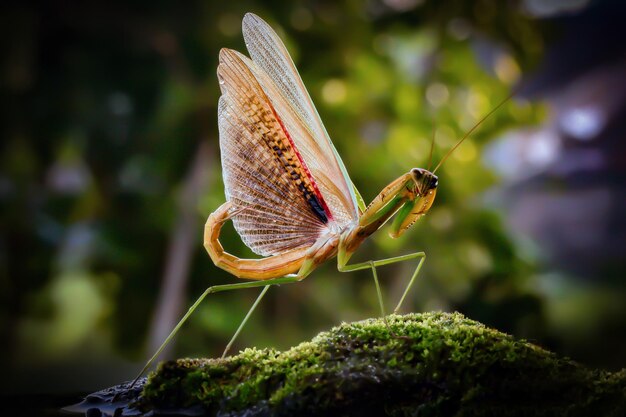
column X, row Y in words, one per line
column 430, row 364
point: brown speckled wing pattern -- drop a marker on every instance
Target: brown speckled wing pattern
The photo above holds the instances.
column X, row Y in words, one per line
column 276, row 202
column 288, row 94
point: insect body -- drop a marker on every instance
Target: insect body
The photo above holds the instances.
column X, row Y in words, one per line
column 288, row 192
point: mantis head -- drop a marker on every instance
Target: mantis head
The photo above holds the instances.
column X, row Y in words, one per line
column 415, row 192
column 424, row 189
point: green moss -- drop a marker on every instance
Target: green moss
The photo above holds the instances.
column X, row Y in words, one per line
column 417, row 364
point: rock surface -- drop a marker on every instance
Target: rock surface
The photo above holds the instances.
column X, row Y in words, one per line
column 416, row 364
column 431, row 364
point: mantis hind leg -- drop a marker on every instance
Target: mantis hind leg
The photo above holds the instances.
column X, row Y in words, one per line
column 214, row 289
column 381, row 262
column 273, row 270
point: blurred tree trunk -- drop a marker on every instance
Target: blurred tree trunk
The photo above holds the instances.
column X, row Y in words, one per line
column 186, row 234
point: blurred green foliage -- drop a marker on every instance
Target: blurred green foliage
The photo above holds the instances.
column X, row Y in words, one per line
column 108, row 105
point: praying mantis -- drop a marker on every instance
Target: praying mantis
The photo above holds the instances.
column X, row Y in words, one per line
column 287, row 190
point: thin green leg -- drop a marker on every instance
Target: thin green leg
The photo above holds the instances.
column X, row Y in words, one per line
column 422, row 258
column 378, row 291
column 245, row 320
column 373, row 264
column 211, row 290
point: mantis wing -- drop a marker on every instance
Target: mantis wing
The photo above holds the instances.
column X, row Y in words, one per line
column 276, row 202
column 271, row 57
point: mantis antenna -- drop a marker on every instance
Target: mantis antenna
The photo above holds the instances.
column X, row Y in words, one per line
column 432, row 145
column 469, row 132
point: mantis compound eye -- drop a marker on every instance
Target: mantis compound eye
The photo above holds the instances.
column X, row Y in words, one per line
column 417, row 173
column 424, row 179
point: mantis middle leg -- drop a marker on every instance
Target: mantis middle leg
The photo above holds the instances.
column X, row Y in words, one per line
column 381, row 262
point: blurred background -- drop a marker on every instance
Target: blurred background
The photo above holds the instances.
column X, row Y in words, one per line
column 109, row 167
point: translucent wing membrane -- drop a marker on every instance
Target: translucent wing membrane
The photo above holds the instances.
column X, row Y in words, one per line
column 283, row 85
column 278, row 206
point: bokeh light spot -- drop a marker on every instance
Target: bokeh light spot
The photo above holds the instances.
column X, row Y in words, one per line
column 477, row 104
column 334, row 91
column 582, row 123
column 506, row 69
column 466, row 152
column 543, row 148
column 459, row 29
column 441, row 218
column 437, row 94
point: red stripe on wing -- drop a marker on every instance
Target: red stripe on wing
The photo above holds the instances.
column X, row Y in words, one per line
column 318, row 194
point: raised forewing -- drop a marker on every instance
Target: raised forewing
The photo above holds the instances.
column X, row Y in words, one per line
column 270, row 56
column 276, row 202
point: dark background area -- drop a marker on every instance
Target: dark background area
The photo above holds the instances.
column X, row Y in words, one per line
column 109, row 167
